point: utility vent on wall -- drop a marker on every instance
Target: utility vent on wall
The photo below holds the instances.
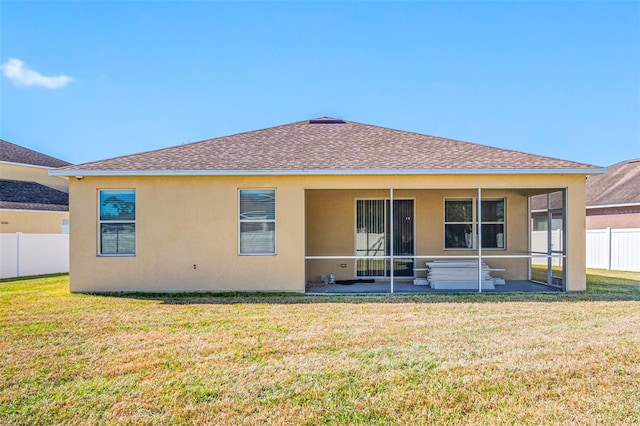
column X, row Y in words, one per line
column 326, row 121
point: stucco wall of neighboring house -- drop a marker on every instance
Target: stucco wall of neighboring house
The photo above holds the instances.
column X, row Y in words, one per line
column 613, row 217
column 182, row 221
column 33, row 174
column 31, row 222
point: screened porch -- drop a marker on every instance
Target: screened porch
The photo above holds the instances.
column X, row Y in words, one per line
column 435, row 240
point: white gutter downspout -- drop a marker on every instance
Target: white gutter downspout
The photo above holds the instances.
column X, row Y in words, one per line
column 479, row 240
column 391, row 233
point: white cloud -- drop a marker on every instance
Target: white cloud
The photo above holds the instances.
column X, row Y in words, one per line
column 20, row 75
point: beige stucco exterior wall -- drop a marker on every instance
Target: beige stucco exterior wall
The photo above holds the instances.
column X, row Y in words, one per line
column 186, row 221
column 31, row 222
column 182, row 222
column 33, row 174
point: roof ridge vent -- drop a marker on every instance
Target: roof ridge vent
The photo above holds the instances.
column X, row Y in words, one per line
column 326, row 120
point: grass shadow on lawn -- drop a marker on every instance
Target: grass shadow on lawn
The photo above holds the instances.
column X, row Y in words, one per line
column 32, row 277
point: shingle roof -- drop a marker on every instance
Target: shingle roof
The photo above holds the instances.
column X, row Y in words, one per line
column 13, row 153
column 328, row 144
column 16, row 194
column 619, row 185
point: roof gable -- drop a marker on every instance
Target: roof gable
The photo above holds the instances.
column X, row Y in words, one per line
column 327, row 144
column 12, row 153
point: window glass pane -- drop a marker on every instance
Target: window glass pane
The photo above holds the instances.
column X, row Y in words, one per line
column 540, row 223
column 493, row 236
column 493, row 210
column 458, row 236
column 117, row 238
column 257, row 237
column 458, row 211
column 65, row 226
column 257, row 204
column 118, row 204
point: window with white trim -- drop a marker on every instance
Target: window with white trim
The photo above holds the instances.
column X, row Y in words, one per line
column 117, row 222
column 461, row 223
column 257, row 221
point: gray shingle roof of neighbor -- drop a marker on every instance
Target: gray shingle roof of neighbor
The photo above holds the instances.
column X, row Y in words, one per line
column 21, row 195
column 13, row 153
column 328, row 144
column 619, row 185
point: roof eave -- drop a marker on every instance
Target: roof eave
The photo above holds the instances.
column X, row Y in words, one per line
column 35, row 166
column 326, row 172
column 18, row 210
column 612, row 205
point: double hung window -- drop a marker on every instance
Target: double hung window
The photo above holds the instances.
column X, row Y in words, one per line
column 461, row 223
column 117, row 222
column 257, row 221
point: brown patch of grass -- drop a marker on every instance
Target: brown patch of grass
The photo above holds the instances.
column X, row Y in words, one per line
column 460, row 359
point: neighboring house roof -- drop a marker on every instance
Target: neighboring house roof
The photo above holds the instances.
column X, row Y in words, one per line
column 12, row 153
column 327, row 146
column 539, row 202
column 21, row 195
column 619, row 185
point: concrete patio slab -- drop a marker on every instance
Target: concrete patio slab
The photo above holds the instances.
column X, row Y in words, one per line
column 404, row 287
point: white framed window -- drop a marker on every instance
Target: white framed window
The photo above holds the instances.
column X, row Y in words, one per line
column 257, row 221
column 461, row 223
column 117, row 222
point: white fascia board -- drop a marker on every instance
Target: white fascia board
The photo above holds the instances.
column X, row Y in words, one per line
column 325, row 172
column 10, row 163
column 34, row 211
column 608, row 206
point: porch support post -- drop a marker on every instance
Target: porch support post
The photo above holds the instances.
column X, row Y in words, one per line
column 529, row 238
column 479, row 213
column 549, row 241
column 391, row 234
column 565, row 233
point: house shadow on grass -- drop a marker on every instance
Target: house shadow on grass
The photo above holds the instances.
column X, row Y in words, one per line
column 617, row 287
column 616, row 293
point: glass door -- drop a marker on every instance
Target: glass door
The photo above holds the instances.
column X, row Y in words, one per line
column 373, row 237
column 370, row 237
column 402, row 236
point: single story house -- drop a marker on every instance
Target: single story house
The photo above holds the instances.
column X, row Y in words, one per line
column 279, row 208
column 31, row 201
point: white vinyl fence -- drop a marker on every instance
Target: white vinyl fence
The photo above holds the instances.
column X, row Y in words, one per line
column 539, row 245
column 616, row 249
column 33, row 254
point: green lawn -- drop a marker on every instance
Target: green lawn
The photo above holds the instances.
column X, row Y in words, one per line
column 256, row 359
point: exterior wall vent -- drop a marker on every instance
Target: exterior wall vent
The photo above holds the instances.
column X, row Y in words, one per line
column 326, row 120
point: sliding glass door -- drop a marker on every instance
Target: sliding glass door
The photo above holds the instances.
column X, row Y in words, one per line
column 374, row 237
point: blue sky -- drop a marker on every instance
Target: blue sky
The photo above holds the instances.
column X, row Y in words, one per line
column 84, row 81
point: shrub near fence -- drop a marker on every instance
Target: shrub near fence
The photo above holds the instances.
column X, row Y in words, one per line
column 33, row 254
